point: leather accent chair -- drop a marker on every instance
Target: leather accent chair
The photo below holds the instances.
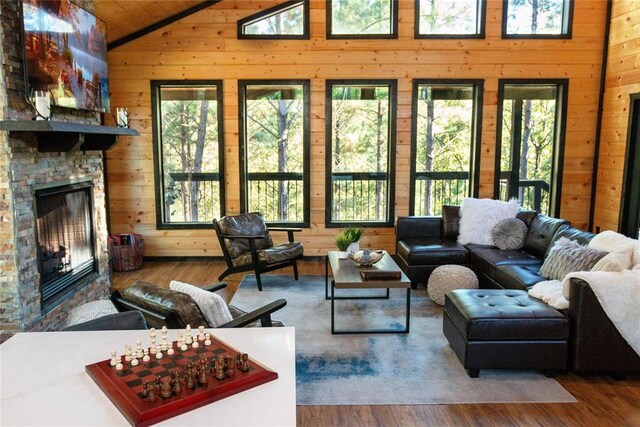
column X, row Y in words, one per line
column 247, row 245
column 165, row 307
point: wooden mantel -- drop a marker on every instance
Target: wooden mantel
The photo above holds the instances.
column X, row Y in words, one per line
column 54, row 136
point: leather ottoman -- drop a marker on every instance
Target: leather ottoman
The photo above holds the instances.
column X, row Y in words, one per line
column 505, row 329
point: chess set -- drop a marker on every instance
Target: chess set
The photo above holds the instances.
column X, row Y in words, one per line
column 152, row 384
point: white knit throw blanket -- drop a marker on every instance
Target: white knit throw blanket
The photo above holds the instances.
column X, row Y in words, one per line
column 619, row 295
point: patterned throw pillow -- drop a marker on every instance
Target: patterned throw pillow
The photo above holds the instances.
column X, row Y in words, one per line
column 567, row 256
column 509, row 234
column 212, row 306
column 615, row 261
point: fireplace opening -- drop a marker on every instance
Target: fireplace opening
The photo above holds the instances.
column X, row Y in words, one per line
column 66, row 247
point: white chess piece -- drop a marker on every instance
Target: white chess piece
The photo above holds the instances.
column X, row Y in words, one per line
column 200, row 333
column 127, row 353
column 139, row 353
column 170, row 351
column 184, row 347
column 119, row 366
column 134, row 362
column 188, row 339
column 114, row 359
column 146, row 357
column 158, row 353
column 207, row 339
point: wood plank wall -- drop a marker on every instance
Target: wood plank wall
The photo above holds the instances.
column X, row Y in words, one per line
column 622, row 80
column 204, row 46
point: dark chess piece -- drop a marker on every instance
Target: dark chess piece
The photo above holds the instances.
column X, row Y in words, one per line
column 203, row 379
column 219, row 369
column 244, row 367
column 166, row 387
column 226, row 362
column 238, row 360
column 158, row 380
column 191, row 382
column 177, row 387
column 145, row 388
column 231, row 367
column 152, row 392
column 212, row 363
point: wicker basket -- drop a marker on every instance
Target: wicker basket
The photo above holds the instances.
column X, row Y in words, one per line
column 126, row 257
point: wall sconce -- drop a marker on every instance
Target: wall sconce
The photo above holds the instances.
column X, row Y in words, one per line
column 122, row 117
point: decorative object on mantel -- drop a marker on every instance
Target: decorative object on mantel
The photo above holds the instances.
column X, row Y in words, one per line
column 41, row 103
column 366, row 257
column 122, row 117
column 347, row 241
column 55, row 136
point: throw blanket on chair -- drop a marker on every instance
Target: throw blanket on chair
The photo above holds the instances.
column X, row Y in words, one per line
column 619, row 295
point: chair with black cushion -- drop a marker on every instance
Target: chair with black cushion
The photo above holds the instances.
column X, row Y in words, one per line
column 246, row 245
column 165, row 307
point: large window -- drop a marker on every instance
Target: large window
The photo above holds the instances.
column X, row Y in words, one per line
column 537, row 18
column 362, row 19
column 187, row 134
column 274, row 152
column 289, row 20
column 531, row 126
column 450, row 18
column 445, row 143
column 360, row 152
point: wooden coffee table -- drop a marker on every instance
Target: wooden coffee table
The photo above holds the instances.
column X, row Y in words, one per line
column 346, row 275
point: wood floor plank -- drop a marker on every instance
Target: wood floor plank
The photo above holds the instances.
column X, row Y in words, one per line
column 602, row 401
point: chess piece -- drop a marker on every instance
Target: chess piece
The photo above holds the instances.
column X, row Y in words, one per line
column 238, row 360
column 177, row 383
column 188, row 339
column 146, row 357
column 127, row 353
column 166, row 387
column 170, row 351
column 151, row 397
column 195, row 344
column 231, row 367
column 200, row 333
column 145, row 388
column 134, row 362
column 207, row 339
column 180, row 339
column 152, row 337
column 139, row 353
column 159, row 352
column 184, row 347
column 191, row 382
column 203, row 378
column 165, row 339
column 219, row 369
column 114, row 359
column 119, row 366
column 245, row 363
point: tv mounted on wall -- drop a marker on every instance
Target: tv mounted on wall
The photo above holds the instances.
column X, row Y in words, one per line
column 66, row 54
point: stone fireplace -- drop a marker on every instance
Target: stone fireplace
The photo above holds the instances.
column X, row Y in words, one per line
column 33, row 250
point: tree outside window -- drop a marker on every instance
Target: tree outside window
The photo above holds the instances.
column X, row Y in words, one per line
column 275, row 143
column 188, row 154
column 360, row 151
column 362, row 18
column 537, row 18
column 449, row 18
column 443, row 146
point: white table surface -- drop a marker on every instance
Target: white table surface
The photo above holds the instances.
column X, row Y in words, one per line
column 43, row 380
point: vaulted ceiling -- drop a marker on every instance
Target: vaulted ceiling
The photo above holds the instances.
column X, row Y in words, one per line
column 125, row 17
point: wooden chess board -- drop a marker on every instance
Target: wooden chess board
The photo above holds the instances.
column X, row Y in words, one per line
column 124, row 388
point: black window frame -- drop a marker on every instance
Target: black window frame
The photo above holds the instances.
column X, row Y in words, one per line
column 306, row 141
column 481, row 20
column 476, row 139
column 629, row 219
column 156, row 87
column 392, row 35
column 267, row 13
column 567, row 24
column 557, row 164
column 391, row 151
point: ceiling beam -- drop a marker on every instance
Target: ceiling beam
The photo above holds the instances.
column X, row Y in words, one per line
column 153, row 27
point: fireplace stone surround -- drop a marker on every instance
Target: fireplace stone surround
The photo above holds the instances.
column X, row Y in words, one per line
column 23, row 169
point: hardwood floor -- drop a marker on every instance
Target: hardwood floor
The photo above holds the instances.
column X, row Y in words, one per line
column 602, row 401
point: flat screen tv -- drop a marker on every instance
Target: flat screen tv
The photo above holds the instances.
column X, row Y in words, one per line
column 66, row 54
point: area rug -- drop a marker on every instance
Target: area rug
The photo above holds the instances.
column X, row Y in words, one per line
column 376, row 369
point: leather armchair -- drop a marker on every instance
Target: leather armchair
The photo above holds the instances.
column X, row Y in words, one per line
column 165, row 307
column 247, row 245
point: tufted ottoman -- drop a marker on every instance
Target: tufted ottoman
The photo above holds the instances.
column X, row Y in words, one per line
column 449, row 277
column 505, row 329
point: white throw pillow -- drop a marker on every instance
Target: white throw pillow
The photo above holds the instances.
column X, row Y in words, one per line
column 610, row 241
column 89, row 311
column 479, row 216
column 615, row 261
column 212, row 306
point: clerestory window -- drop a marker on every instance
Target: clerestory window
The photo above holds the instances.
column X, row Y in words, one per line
column 289, row 20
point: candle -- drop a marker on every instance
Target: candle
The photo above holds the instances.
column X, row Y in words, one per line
column 122, row 117
column 43, row 105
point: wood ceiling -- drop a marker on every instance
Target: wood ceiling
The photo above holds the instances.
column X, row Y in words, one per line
column 125, row 17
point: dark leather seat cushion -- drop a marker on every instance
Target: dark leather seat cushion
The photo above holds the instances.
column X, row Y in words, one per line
column 432, row 251
column 500, row 314
column 519, row 276
column 486, row 260
column 279, row 253
column 541, row 231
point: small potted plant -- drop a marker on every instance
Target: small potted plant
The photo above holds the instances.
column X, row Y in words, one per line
column 347, row 241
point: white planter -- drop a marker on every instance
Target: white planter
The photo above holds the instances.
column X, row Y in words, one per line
column 343, row 254
column 353, row 247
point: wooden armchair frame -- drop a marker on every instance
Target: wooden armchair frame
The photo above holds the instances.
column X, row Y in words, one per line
column 173, row 320
column 256, row 265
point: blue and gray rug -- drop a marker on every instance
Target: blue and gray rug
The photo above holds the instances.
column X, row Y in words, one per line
column 414, row 368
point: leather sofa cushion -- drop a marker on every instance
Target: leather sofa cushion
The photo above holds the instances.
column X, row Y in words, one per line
column 247, row 224
column 165, row 301
column 541, row 232
column 519, row 276
column 418, row 226
column 450, row 222
column 431, row 251
column 527, row 217
column 278, row 253
column 571, row 233
column 486, row 260
column 501, row 315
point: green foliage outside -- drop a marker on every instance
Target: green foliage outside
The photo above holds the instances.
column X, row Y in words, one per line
column 287, row 22
column 189, row 136
column 361, row 17
column 535, row 16
column 448, row 17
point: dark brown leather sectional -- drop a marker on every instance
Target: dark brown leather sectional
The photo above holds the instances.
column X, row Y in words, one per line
column 593, row 345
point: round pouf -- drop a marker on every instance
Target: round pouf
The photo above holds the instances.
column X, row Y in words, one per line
column 449, row 277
